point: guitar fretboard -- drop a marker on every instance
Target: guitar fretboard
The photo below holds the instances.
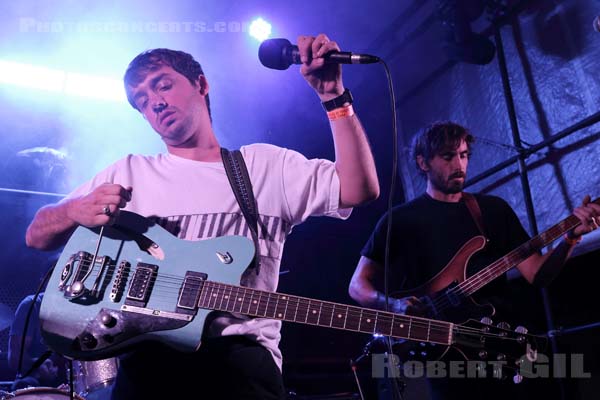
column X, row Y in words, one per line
column 263, row 304
column 518, row 255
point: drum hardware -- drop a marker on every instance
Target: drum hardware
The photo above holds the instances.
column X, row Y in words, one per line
column 93, row 380
column 40, row 393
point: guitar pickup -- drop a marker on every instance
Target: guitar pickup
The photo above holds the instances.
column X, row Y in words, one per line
column 189, row 294
column 141, row 284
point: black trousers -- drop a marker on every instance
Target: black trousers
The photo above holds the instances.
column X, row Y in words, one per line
column 230, row 367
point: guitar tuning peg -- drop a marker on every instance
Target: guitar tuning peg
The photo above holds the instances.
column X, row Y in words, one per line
column 518, row 378
column 503, row 325
column 521, row 329
column 486, row 321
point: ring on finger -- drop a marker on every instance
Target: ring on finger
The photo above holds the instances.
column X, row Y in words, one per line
column 106, row 210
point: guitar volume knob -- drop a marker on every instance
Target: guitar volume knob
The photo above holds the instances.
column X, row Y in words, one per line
column 89, row 341
column 503, row 325
column 521, row 329
column 108, row 320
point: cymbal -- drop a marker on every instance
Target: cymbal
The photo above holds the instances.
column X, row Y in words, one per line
column 43, row 151
column 6, row 316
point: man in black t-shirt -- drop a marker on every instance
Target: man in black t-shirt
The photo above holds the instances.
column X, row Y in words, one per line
column 429, row 230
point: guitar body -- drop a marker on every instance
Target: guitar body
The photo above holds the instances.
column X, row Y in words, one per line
column 441, row 289
column 101, row 324
column 445, row 301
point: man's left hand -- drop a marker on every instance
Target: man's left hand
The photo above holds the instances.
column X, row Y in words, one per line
column 589, row 215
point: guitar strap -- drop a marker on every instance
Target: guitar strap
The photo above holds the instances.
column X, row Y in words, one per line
column 473, row 206
column 239, row 179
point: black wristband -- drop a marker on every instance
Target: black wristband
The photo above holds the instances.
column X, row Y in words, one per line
column 343, row 99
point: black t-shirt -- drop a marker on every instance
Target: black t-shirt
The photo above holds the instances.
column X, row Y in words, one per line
column 427, row 233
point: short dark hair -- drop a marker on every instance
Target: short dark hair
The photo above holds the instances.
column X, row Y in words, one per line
column 438, row 137
column 151, row 60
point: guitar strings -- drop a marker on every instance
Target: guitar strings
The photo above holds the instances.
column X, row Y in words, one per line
column 439, row 327
column 496, row 269
column 351, row 311
column 172, row 284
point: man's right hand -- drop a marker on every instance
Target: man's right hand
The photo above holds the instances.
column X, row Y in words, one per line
column 53, row 224
column 99, row 207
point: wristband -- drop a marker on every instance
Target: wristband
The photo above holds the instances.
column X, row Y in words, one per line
column 342, row 100
column 342, row 112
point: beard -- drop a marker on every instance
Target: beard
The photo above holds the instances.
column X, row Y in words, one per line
column 448, row 185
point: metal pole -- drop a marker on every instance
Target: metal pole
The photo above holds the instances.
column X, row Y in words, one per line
column 576, row 127
column 524, row 180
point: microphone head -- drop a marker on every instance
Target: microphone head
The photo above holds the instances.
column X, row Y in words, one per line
column 596, row 24
column 272, row 53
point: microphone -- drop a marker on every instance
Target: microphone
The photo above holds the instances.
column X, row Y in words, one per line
column 280, row 54
column 596, row 24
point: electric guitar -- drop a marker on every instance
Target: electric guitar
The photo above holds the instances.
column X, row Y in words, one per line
column 447, row 296
column 118, row 285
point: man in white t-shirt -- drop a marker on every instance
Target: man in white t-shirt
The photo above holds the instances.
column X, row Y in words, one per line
column 187, row 192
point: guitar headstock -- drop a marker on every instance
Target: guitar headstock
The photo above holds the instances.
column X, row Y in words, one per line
column 497, row 345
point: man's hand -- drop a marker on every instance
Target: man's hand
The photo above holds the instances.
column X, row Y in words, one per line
column 406, row 305
column 589, row 215
column 326, row 79
column 99, row 207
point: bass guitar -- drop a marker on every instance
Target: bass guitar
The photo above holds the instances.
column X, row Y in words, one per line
column 447, row 296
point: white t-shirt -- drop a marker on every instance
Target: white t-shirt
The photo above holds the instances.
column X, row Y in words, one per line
column 194, row 201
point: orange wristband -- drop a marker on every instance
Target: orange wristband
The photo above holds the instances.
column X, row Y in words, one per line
column 342, row 112
column 572, row 241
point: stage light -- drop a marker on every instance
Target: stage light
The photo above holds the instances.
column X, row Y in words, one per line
column 31, row 76
column 260, row 29
column 54, row 80
column 97, row 87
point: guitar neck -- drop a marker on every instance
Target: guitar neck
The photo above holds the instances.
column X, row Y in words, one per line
column 263, row 304
column 518, row 255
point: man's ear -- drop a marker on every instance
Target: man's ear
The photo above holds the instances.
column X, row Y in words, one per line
column 422, row 163
column 202, row 84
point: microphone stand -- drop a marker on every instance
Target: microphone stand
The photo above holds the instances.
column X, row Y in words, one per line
column 354, row 367
column 397, row 386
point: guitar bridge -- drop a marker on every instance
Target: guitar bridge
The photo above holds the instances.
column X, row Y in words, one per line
column 77, row 270
column 120, row 280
